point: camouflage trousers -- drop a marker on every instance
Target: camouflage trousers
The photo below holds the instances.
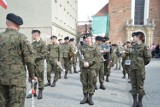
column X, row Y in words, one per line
column 40, row 76
column 87, row 78
column 107, row 68
column 52, row 66
column 137, row 81
column 12, row 96
column 99, row 71
column 67, row 65
column 73, row 63
column 126, row 69
column 118, row 62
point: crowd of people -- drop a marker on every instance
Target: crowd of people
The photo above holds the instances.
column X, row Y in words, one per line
column 95, row 60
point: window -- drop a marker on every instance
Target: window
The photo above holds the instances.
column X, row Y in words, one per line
column 139, row 12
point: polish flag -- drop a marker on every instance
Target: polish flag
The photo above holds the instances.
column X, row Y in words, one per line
column 3, row 3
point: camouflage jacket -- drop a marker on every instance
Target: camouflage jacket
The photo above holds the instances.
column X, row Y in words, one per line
column 89, row 53
column 39, row 49
column 138, row 53
column 54, row 52
column 99, row 56
column 15, row 52
column 67, row 50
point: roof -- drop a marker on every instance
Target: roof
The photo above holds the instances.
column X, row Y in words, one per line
column 103, row 11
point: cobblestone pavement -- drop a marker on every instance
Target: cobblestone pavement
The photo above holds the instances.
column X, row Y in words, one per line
column 68, row 93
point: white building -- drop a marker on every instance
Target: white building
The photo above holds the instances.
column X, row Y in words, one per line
column 51, row 17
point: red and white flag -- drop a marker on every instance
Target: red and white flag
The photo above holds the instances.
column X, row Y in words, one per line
column 3, row 3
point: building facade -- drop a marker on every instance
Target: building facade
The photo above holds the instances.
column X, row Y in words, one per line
column 128, row 16
column 51, row 17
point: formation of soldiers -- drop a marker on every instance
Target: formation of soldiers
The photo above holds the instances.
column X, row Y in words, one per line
column 95, row 61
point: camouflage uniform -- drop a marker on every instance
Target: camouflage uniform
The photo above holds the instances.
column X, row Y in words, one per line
column 67, row 51
column 40, row 54
column 107, row 63
column 139, row 51
column 99, row 66
column 126, row 68
column 14, row 53
column 88, row 74
column 53, row 56
column 74, row 59
column 118, row 57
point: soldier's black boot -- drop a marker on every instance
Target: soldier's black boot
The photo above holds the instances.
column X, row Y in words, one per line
column 48, row 84
column 102, row 86
column 53, row 84
column 90, row 101
column 140, row 97
column 107, row 78
column 134, row 101
column 95, row 86
column 65, row 76
column 40, row 94
column 85, row 99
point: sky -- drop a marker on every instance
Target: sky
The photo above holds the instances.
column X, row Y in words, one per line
column 87, row 8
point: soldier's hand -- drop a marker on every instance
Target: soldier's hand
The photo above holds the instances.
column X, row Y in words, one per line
column 86, row 64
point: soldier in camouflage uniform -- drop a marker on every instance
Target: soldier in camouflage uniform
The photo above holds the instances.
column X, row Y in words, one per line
column 108, row 59
column 74, row 59
column 138, row 55
column 87, row 63
column 61, row 59
column 53, row 57
column 15, row 53
column 39, row 49
column 99, row 63
column 67, row 55
column 125, row 59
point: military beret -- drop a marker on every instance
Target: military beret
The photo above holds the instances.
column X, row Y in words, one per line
column 36, row 31
column 99, row 38
column 72, row 39
column 86, row 35
column 14, row 18
column 66, row 38
column 137, row 33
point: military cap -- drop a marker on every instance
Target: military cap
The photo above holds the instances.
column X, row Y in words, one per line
column 53, row 37
column 137, row 33
column 99, row 38
column 72, row 39
column 86, row 35
column 59, row 39
column 14, row 18
column 36, row 31
column 66, row 38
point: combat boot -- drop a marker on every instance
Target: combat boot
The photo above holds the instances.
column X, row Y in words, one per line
column 95, row 86
column 48, row 84
column 53, row 84
column 90, row 101
column 102, row 86
column 65, row 76
column 140, row 97
column 107, row 78
column 85, row 99
column 134, row 101
column 40, row 94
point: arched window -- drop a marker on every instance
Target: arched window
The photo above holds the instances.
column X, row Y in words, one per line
column 139, row 12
